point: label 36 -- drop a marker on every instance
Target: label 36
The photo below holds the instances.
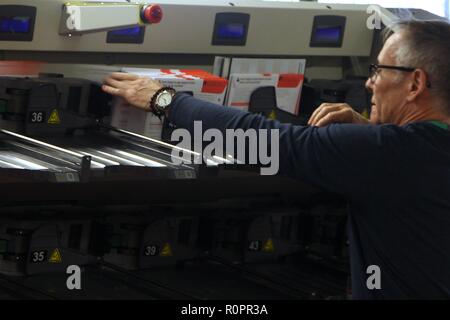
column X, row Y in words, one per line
column 36, row 117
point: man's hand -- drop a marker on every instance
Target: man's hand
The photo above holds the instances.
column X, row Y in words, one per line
column 329, row 113
column 135, row 90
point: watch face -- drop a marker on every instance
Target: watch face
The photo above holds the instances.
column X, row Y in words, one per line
column 164, row 99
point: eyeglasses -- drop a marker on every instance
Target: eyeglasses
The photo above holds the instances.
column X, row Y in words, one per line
column 374, row 70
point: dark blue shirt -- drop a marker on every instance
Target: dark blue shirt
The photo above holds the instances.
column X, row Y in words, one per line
column 396, row 178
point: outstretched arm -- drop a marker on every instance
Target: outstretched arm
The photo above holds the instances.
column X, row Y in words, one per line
column 340, row 158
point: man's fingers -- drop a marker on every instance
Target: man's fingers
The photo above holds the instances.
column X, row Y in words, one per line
column 333, row 117
column 114, row 83
column 319, row 111
column 312, row 119
column 123, row 76
column 323, row 112
column 111, row 90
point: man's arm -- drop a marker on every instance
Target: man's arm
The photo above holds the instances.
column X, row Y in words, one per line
column 339, row 158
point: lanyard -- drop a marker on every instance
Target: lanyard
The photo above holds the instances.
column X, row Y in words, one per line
column 441, row 125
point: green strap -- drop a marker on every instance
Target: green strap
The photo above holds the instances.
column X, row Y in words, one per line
column 441, row 125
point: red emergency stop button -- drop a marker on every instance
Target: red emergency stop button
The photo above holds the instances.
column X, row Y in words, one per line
column 152, row 13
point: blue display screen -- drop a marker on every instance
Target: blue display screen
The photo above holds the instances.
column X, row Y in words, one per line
column 327, row 34
column 15, row 24
column 231, row 31
column 135, row 31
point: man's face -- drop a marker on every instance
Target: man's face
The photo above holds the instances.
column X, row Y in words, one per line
column 388, row 87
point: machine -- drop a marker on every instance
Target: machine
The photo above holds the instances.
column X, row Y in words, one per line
column 78, row 192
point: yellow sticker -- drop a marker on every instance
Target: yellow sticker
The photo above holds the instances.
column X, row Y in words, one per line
column 55, row 257
column 365, row 114
column 272, row 115
column 54, row 118
column 166, row 251
column 268, row 246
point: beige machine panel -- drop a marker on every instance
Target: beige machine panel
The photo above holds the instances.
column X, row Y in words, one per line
column 275, row 28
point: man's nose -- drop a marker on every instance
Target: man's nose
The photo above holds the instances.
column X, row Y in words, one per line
column 369, row 84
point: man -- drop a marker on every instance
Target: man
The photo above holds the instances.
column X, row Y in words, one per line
column 394, row 169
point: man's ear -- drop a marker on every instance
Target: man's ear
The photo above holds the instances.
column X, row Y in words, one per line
column 419, row 83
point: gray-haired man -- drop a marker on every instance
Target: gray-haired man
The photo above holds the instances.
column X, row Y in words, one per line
column 395, row 171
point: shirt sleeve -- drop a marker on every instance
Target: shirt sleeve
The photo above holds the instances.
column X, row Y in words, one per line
column 341, row 158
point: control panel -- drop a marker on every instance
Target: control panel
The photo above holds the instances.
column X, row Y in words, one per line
column 328, row 31
column 231, row 29
column 17, row 22
column 127, row 35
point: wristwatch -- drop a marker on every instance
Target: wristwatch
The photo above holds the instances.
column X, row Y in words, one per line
column 161, row 100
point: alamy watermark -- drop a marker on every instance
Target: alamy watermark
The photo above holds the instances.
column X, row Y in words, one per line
column 254, row 147
column 375, row 17
column 374, row 280
column 74, row 279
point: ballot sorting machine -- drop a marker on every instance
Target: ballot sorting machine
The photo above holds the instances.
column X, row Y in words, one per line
column 76, row 191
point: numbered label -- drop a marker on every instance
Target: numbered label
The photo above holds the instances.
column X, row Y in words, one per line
column 255, row 245
column 66, row 177
column 151, row 251
column 36, row 117
column 39, row 256
column 184, row 174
